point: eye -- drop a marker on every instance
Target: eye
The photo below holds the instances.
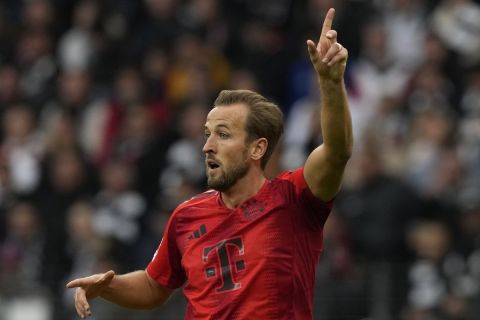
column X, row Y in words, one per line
column 223, row 135
column 207, row 134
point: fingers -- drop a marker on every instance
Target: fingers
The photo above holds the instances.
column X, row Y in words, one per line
column 341, row 56
column 335, row 53
column 75, row 283
column 332, row 36
column 83, row 284
column 312, row 51
column 332, row 52
column 327, row 23
column 105, row 278
column 109, row 275
column 328, row 52
column 81, row 303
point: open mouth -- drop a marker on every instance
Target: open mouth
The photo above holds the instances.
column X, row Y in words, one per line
column 211, row 164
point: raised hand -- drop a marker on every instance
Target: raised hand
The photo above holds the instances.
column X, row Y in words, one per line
column 89, row 288
column 328, row 57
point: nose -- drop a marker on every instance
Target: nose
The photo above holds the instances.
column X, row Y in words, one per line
column 209, row 146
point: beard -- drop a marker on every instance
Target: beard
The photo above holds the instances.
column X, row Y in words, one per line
column 228, row 177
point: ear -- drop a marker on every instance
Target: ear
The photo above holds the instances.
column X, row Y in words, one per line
column 258, row 147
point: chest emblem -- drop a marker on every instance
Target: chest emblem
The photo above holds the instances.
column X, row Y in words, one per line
column 252, row 209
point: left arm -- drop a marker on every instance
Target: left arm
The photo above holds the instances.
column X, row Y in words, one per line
column 324, row 167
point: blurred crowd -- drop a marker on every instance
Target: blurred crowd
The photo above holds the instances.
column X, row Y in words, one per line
column 102, row 107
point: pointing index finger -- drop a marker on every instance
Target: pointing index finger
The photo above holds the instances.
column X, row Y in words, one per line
column 327, row 23
column 74, row 283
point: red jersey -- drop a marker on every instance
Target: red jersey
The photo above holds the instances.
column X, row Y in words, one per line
column 256, row 261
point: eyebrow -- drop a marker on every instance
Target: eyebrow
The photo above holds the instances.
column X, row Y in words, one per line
column 219, row 126
column 223, row 126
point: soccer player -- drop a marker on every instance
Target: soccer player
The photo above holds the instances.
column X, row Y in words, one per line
column 247, row 248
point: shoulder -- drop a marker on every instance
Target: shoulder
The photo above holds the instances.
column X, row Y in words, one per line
column 295, row 177
column 293, row 187
column 286, row 184
column 294, row 182
column 204, row 199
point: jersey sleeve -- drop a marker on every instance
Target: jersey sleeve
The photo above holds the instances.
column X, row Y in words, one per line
column 316, row 210
column 166, row 267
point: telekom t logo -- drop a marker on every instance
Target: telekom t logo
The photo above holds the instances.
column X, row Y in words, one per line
column 227, row 265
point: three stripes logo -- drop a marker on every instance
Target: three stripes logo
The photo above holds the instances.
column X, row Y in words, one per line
column 198, row 233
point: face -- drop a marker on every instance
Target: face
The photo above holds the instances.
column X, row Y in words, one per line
column 226, row 151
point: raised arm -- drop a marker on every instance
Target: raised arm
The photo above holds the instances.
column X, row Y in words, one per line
column 135, row 290
column 325, row 165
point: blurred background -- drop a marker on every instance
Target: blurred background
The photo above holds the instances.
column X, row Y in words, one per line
column 102, row 108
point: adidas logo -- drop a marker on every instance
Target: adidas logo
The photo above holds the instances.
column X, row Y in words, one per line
column 198, row 233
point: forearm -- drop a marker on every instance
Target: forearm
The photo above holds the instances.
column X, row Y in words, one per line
column 135, row 291
column 336, row 121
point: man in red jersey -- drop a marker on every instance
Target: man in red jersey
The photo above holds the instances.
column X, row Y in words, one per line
column 247, row 248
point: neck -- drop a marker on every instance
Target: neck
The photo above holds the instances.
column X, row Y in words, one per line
column 245, row 188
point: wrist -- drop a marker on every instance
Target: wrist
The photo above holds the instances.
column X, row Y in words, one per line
column 106, row 292
column 330, row 83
